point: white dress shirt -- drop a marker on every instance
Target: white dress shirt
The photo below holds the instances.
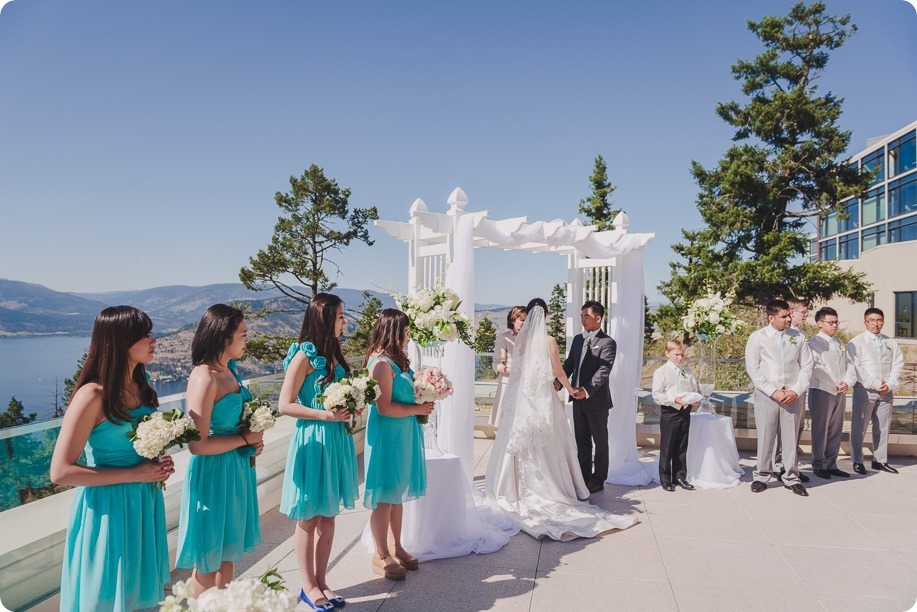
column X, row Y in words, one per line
column 778, row 360
column 670, row 381
column 876, row 358
column 831, row 366
column 588, row 337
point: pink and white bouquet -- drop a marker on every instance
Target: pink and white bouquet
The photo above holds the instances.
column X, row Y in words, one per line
column 353, row 393
column 258, row 419
column 430, row 385
column 157, row 432
column 265, row 594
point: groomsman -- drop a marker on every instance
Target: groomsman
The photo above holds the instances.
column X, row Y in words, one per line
column 592, row 355
column 878, row 362
column 779, row 363
column 799, row 312
column 670, row 384
column 832, row 376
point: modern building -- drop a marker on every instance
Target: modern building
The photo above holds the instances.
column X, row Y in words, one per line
column 880, row 235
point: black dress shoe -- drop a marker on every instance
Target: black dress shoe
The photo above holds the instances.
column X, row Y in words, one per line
column 883, row 467
column 758, row 486
column 803, row 477
column 859, row 468
column 798, row 489
column 668, row 486
column 595, row 487
column 822, row 474
column 779, row 475
column 684, row 484
column 837, row 472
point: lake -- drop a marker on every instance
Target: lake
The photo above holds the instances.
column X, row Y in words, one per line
column 33, row 369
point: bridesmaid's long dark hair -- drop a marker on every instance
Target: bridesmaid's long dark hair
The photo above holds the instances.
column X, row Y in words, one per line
column 318, row 328
column 114, row 332
column 215, row 331
column 388, row 337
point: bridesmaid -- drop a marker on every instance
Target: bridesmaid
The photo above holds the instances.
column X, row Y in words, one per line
column 503, row 357
column 219, row 518
column 115, row 556
column 395, row 468
column 321, row 469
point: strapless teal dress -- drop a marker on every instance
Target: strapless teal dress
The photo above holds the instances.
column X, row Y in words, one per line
column 219, row 518
column 116, row 556
column 396, row 471
column 321, row 471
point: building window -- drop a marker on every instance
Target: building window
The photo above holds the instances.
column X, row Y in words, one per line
column 828, row 225
column 905, row 302
column 827, row 250
column 849, row 246
column 902, row 196
column 813, row 250
column 875, row 161
column 903, row 230
column 902, row 154
column 873, row 237
column 874, row 206
column 853, row 217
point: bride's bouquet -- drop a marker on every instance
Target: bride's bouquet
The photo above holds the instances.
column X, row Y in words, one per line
column 353, row 393
column 156, row 433
column 258, row 419
column 265, row 594
column 711, row 317
column 435, row 316
column 430, row 385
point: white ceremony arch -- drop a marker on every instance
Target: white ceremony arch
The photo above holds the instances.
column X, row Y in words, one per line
column 606, row 266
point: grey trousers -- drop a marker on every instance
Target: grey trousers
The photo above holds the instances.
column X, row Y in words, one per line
column 827, row 410
column 770, row 417
column 778, row 457
column 870, row 406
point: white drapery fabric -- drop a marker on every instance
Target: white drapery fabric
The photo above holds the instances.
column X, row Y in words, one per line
column 626, row 327
column 456, row 412
column 557, row 234
column 713, row 459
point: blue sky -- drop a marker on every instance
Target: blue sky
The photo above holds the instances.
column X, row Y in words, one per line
column 141, row 143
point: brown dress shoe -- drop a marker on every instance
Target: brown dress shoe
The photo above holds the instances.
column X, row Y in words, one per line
column 387, row 566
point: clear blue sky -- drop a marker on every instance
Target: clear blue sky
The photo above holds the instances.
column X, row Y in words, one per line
column 141, row 143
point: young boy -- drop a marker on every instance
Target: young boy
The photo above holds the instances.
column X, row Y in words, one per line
column 670, row 383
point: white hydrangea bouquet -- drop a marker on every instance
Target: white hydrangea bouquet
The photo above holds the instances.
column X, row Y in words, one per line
column 711, row 317
column 257, row 419
column 430, row 385
column 353, row 393
column 264, row 594
column 157, row 432
column 435, row 316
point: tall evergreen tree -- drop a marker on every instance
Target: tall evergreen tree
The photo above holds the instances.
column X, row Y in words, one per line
column 15, row 415
column 485, row 334
column 785, row 168
column 597, row 207
column 358, row 342
column 557, row 327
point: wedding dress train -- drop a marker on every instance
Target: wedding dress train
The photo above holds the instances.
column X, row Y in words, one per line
column 533, row 473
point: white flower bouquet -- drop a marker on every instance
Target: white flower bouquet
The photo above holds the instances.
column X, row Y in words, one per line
column 157, row 432
column 430, row 385
column 265, row 594
column 711, row 317
column 258, row 419
column 435, row 316
column 353, row 393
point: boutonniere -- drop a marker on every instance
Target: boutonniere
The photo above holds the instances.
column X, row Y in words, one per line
column 887, row 346
column 793, row 340
column 682, row 373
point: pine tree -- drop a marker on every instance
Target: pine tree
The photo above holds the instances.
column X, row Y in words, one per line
column 358, row 342
column 597, row 206
column 557, row 327
column 485, row 334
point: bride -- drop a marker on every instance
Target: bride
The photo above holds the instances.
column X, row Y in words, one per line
column 533, row 473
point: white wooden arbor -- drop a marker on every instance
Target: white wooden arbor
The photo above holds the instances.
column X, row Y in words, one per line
column 605, row 266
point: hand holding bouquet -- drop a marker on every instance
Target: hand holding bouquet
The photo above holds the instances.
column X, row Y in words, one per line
column 430, row 385
column 352, row 394
column 258, row 420
column 156, row 433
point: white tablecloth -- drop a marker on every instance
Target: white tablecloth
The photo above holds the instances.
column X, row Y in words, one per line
column 713, row 459
column 446, row 522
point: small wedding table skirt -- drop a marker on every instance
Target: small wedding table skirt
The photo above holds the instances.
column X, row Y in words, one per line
column 713, row 459
column 446, row 522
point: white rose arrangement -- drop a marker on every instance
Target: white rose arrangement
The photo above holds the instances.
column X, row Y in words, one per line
column 264, row 594
column 711, row 317
column 260, row 418
column 353, row 393
column 435, row 316
column 156, row 433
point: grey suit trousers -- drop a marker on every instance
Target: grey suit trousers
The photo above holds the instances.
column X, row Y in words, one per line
column 868, row 406
column 827, row 410
column 770, row 417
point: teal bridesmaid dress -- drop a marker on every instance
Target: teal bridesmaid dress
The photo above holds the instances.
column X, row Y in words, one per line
column 116, row 556
column 219, row 518
column 321, row 471
column 396, row 471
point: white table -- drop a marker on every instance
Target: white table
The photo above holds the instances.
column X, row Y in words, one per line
column 713, row 459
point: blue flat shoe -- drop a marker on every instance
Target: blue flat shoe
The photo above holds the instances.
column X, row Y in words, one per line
column 337, row 602
column 325, row 606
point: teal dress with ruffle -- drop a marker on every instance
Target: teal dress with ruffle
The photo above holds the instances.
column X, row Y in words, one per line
column 219, row 518
column 116, row 556
column 396, row 469
column 321, row 471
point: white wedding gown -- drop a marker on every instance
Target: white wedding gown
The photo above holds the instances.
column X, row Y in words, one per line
column 533, row 473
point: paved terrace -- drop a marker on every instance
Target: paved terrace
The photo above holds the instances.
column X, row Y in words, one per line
column 851, row 545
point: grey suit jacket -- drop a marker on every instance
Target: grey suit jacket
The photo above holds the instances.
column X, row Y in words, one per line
column 595, row 370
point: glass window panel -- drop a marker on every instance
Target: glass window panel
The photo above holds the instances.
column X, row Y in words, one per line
column 828, row 250
column 903, row 230
column 902, row 196
column 830, row 224
column 853, row 217
column 904, row 314
column 875, row 161
column 902, row 154
column 849, row 246
column 873, row 237
column 873, row 206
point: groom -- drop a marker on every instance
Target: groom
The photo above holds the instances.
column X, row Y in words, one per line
column 592, row 354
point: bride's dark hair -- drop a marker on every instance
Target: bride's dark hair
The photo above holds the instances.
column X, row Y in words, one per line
column 537, row 302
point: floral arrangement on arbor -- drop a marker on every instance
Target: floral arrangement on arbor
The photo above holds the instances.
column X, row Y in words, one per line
column 711, row 317
column 435, row 316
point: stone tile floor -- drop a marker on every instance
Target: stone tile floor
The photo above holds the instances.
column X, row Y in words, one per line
column 851, row 545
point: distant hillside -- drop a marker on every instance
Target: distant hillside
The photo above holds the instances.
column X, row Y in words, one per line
column 27, row 308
